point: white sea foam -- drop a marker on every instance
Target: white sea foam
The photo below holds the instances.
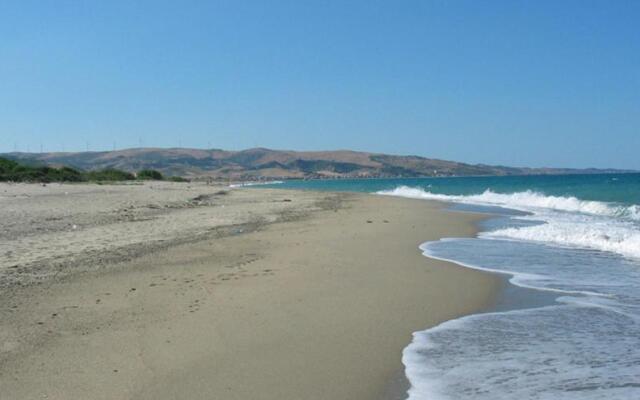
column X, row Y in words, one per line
column 503, row 356
column 525, row 201
column 608, row 236
column 569, row 221
column 522, row 279
column 549, row 352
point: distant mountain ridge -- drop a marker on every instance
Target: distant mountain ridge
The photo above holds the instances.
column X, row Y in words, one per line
column 261, row 163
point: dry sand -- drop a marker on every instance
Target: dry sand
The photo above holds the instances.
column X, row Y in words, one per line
column 175, row 291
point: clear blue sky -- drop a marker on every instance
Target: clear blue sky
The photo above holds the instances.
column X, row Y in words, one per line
column 534, row 83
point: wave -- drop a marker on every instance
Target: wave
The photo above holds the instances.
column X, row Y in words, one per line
column 614, row 238
column 427, row 380
column 568, row 221
column 558, row 344
column 521, row 279
column 560, row 352
column 524, row 201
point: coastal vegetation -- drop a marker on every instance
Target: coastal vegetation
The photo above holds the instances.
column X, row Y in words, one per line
column 150, row 174
column 13, row 171
column 177, row 179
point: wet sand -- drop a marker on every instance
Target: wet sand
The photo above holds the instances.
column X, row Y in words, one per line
column 250, row 294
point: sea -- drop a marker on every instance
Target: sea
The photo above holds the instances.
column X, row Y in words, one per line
column 568, row 324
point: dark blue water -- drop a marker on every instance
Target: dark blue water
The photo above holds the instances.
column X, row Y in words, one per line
column 575, row 238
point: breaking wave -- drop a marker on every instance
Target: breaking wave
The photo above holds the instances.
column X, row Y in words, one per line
column 525, row 201
column 567, row 221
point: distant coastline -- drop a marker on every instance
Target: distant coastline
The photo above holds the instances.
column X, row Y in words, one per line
column 262, row 164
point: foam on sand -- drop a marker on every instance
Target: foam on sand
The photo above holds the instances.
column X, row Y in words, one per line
column 568, row 221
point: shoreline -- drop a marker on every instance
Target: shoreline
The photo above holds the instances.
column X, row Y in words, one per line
column 512, row 296
column 316, row 302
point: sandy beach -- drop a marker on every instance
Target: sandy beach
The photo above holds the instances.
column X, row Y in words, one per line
column 192, row 291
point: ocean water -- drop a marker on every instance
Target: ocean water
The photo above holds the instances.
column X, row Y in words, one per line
column 574, row 241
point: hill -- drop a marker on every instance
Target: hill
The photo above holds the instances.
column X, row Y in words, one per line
column 260, row 163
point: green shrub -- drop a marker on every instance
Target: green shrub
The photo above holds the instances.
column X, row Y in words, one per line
column 65, row 174
column 7, row 165
column 178, row 179
column 150, row 174
column 15, row 172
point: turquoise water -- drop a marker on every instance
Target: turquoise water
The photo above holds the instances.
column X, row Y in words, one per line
column 573, row 239
column 623, row 188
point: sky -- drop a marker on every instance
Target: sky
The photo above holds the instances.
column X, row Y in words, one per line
column 522, row 83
